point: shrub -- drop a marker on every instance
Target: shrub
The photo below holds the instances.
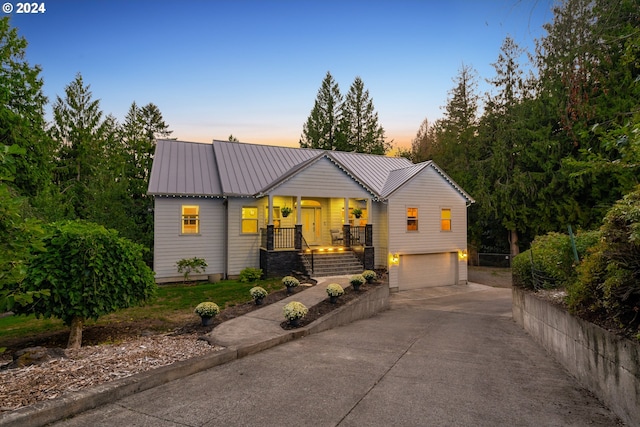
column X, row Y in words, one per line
column 609, row 279
column 250, row 274
column 294, row 310
column 334, row 290
column 552, row 255
column 90, row 271
column 258, row 292
column 290, row 281
column 357, row 280
column 207, row 309
column 187, row 266
column 369, row 275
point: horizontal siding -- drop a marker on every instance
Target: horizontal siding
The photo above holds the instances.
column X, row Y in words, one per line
column 171, row 246
column 380, row 234
column 244, row 249
column 428, row 192
column 322, row 179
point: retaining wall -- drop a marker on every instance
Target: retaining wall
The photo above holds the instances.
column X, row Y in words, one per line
column 604, row 363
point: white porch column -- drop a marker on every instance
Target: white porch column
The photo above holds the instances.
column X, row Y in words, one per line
column 299, row 210
column 346, row 210
column 270, row 210
column 369, row 211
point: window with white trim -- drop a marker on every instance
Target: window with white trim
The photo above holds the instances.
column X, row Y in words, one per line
column 190, row 219
column 249, row 219
column 445, row 219
column 412, row 219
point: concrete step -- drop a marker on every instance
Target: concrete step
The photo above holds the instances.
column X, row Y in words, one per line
column 333, row 264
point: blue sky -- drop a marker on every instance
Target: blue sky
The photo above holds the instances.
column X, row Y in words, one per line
column 253, row 68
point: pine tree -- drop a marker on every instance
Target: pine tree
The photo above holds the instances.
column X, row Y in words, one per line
column 359, row 123
column 321, row 129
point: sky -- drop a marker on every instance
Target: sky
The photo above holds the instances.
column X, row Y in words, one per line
column 253, row 68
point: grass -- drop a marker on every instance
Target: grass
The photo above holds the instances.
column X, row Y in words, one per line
column 172, row 303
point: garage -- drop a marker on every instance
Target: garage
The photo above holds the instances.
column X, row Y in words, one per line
column 427, row 270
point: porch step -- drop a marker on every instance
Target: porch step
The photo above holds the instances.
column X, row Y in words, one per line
column 332, row 264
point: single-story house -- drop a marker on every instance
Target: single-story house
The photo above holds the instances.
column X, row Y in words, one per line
column 282, row 209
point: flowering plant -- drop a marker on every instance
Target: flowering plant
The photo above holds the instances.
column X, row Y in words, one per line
column 207, row 309
column 290, row 281
column 285, row 211
column 294, row 310
column 334, row 290
column 357, row 280
column 369, row 275
column 258, row 292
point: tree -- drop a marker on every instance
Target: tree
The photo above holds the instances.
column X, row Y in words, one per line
column 233, row 138
column 425, row 144
column 22, row 119
column 20, row 237
column 322, row 128
column 359, row 122
column 90, row 271
column 79, row 130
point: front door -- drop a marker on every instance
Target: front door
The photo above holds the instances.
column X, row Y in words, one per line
column 311, row 225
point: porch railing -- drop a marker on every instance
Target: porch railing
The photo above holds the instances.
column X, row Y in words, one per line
column 283, row 238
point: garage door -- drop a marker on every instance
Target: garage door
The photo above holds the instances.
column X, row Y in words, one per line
column 423, row 271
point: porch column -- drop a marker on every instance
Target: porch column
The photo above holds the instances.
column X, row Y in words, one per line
column 299, row 210
column 346, row 227
column 368, row 235
column 270, row 240
column 297, row 240
column 270, row 210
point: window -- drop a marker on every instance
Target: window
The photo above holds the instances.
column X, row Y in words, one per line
column 276, row 216
column 412, row 219
column 445, row 220
column 190, row 219
column 249, row 219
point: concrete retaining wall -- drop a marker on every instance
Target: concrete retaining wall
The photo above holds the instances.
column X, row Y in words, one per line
column 607, row 365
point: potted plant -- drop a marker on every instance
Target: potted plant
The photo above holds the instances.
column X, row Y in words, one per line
column 334, row 290
column 357, row 212
column 285, row 211
column 258, row 293
column 290, row 282
column 369, row 275
column 356, row 281
column 207, row 311
column 294, row 311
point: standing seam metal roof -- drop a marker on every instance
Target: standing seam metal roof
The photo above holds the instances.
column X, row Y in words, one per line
column 236, row 169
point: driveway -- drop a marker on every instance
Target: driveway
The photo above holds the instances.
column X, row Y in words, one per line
column 447, row 356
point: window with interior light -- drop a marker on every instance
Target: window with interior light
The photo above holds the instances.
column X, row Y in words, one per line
column 445, row 219
column 190, row 219
column 412, row 219
column 249, row 219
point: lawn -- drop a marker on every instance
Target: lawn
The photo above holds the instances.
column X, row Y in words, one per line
column 171, row 305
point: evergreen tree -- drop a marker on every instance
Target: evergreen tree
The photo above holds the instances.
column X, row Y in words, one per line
column 359, row 122
column 322, row 129
column 79, row 131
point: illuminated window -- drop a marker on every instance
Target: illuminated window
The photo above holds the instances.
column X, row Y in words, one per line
column 412, row 219
column 249, row 219
column 445, row 220
column 276, row 216
column 190, row 219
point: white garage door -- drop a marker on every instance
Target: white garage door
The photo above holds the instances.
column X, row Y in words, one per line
column 423, row 271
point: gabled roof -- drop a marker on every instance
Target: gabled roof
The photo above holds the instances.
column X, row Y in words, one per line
column 232, row 169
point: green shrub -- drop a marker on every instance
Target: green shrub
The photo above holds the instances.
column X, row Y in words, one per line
column 609, row 279
column 187, row 266
column 553, row 258
column 250, row 274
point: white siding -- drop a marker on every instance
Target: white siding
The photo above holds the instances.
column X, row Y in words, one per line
column 244, row 249
column 428, row 192
column 380, row 234
column 171, row 246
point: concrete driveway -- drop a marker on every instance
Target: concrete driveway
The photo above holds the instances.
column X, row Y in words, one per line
column 447, row 356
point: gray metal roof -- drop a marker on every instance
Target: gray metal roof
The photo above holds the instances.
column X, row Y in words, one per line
column 237, row 169
column 184, row 169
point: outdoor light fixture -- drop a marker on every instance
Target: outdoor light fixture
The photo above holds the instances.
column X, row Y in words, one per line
column 462, row 255
column 394, row 259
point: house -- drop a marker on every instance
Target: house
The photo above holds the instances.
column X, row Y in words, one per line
column 229, row 203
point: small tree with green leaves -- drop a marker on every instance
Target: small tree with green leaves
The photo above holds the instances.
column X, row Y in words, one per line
column 187, row 266
column 90, row 271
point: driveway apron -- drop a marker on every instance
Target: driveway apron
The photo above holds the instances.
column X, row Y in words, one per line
column 448, row 356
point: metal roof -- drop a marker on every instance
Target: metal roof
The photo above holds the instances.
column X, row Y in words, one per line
column 225, row 169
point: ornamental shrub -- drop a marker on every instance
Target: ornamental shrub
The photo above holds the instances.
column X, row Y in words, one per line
column 294, row 310
column 207, row 309
column 358, row 279
column 187, row 266
column 369, row 275
column 90, row 271
column 334, row 290
column 258, row 292
column 290, row 281
column 250, row 274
